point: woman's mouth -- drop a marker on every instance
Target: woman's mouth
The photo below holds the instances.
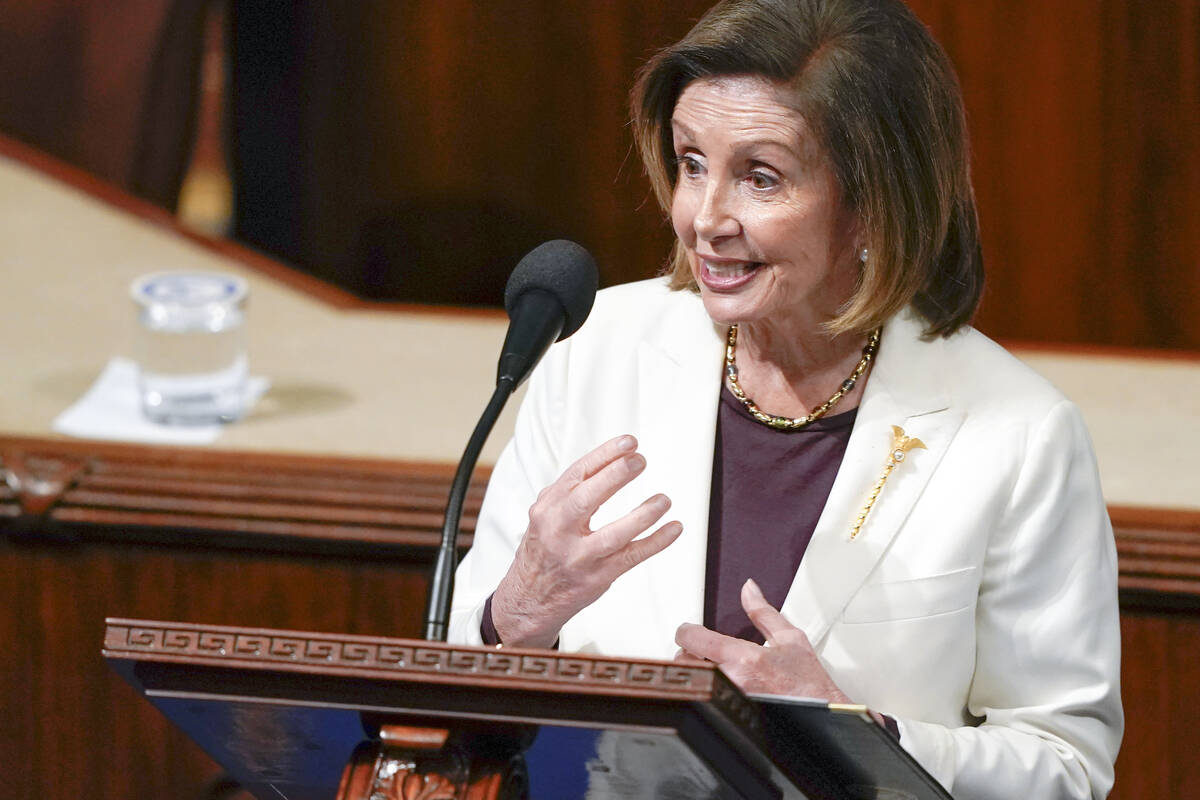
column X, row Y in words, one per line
column 726, row 273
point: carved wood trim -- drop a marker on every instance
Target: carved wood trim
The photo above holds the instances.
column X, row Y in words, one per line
column 410, row 763
column 266, row 501
column 414, row 660
column 1158, row 551
column 411, row 738
column 321, row 504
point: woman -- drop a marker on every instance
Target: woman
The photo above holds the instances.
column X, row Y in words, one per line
column 908, row 517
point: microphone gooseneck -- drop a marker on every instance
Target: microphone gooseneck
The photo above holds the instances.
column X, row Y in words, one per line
column 548, row 297
column 441, row 584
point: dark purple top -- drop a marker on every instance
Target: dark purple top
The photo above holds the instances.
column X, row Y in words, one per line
column 769, row 488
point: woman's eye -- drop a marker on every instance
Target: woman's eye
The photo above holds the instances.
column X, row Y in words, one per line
column 762, row 180
column 688, row 164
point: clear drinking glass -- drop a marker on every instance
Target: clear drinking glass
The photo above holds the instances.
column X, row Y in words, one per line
column 190, row 347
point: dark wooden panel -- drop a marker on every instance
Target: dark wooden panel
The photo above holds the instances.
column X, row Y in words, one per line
column 443, row 140
column 72, row 724
column 1085, row 118
column 89, row 490
column 1161, row 660
column 480, row 129
column 1158, row 551
column 107, row 86
column 308, row 543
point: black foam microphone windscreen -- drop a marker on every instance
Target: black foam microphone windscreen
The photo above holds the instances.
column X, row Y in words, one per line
column 562, row 269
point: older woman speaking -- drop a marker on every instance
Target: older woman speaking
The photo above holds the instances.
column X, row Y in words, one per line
column 872, row 502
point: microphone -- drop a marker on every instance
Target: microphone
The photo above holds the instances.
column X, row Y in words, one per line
column 548, row 296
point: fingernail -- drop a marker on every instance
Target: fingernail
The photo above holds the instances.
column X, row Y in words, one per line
column 753, row 587
column 637, row 462
column 661, row 501
column 626, row 443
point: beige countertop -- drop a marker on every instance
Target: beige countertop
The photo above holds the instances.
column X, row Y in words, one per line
column 409, row 384
column 353, row 382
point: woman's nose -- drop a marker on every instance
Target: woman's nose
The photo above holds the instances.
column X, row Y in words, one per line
column 715, row 218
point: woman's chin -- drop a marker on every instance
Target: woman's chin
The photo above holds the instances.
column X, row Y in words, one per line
column 726, row 309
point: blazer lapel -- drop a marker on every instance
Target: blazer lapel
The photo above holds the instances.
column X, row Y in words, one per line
column 906, row 387
column 679, row 381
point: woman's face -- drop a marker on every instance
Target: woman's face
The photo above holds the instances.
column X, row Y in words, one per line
column 757, row 207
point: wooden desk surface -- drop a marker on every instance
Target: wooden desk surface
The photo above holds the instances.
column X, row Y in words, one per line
column 356, row 380
column 349, row 381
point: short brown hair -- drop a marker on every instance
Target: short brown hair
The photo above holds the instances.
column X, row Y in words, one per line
column 884, row 104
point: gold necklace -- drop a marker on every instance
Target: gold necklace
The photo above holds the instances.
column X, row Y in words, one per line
column 796, row 423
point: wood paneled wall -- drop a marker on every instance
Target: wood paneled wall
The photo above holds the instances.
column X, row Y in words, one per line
column 1160, row 662
column 416, row 150
column 443, row 139
column 419, row 149
column 1085, row 118
column 108, row 86
column 73, row 728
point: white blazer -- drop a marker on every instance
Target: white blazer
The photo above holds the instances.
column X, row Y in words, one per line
column 977, row 605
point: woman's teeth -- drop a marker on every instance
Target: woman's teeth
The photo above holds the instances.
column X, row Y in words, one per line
column 735, row 270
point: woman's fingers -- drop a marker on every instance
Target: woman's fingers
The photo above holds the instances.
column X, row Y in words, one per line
column 769, row 622
column 704, row 643
column 638, row 551
column 790, row 667
column 621, row 532
column 587, row 496
column 567, row 505
column 591, row 480
column 593, row 461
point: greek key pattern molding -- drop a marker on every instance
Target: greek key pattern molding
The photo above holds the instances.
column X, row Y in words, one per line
column 395, row 657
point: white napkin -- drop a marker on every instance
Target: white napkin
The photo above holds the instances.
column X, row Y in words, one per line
column 111, row 409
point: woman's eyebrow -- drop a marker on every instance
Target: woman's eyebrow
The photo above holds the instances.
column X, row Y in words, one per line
column 679, row 127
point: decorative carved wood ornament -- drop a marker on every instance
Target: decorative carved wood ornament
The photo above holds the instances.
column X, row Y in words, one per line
column 406, row 659
column 411, row 763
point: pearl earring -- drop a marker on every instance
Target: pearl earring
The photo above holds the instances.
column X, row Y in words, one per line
column 862, row 255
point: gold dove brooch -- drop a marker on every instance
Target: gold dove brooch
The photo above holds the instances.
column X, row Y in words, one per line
column 901, row 444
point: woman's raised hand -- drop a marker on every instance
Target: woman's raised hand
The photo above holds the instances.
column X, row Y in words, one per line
column 562, row 565
column 787, row 664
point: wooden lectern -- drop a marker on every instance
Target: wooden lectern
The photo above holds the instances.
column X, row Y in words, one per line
column 311, row 716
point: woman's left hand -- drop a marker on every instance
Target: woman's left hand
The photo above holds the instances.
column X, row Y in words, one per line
column 787, row 664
